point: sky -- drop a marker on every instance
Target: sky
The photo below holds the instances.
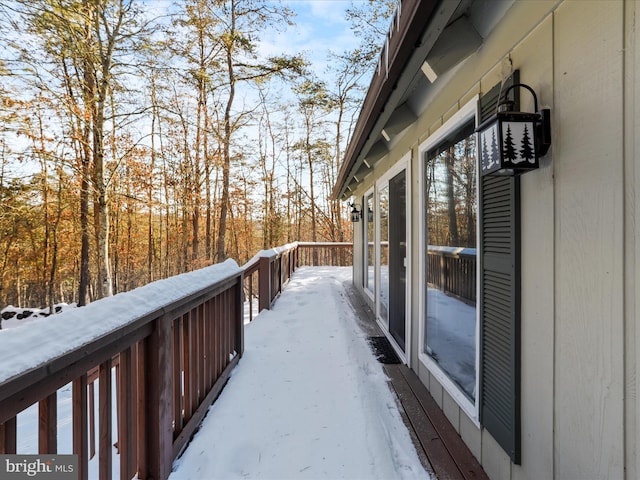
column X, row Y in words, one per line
column 308, row 399
column 320, row 26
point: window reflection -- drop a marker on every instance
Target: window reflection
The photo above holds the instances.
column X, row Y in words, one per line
column 383, row 206
column 451, row 211
column 369, row 233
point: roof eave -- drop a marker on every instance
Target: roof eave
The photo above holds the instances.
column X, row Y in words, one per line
column 404, row 37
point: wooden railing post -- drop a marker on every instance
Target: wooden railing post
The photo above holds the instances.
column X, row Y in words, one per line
column 159, row 402
column 80, row 426
column 264, row 284
column 8, row 436
column 47, row 422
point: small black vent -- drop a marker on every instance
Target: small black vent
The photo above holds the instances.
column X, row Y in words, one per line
column 383, row 350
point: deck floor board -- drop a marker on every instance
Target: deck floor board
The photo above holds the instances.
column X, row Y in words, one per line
column 439, row 447
column 424, row 416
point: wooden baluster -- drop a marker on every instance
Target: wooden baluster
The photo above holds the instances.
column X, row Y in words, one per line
column 239, row 323
column 133, row 425
column 227, row 347
column 178, row 403
column 210, row 350
column 220, row 339
column 92, row 420
column 250, row 297
column 186, row 366
column 104, row 421
column 218, row 335
column 142, row 374
column 193, row 360
column 202, row 391
column 125, row 414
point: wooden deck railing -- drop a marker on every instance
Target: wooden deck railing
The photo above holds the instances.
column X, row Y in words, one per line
column 171, row 364
column 453, row 270
column 267, row 273
column 164, row 368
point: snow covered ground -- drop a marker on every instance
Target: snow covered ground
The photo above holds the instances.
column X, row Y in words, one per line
column 307, row 400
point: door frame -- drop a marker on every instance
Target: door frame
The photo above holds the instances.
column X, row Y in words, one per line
column 403, row 164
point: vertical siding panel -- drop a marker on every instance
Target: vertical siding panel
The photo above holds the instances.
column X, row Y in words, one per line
column 534, row 58
column 588, row 162
column 632, row 230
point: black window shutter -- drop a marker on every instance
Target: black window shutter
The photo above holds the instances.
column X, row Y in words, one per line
column 500, row 298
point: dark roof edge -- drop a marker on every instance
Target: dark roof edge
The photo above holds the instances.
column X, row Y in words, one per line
column 402, row 40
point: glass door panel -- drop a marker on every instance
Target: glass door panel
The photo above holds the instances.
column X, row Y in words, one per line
column 369, row 246
column 383, row 254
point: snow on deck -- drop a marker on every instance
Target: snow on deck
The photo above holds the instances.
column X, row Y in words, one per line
column 307, row 400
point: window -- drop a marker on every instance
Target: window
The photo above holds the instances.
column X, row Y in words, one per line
column 451, row 212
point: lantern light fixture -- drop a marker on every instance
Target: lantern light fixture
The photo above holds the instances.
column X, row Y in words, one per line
column 356, row 212
column 511, row 142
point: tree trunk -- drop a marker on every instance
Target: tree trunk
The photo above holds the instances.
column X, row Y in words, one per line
column 451, row 200
column 226, row 147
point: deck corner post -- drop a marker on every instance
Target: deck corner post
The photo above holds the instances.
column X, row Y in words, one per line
column 8, row 436
column 158, row 399
column 264, row 284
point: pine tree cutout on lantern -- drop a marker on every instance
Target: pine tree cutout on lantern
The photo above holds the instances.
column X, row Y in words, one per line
column 510, row 142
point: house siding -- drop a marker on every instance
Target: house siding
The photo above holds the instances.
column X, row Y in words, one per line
column 632, row 233
column 589, row 188
column 580, row 347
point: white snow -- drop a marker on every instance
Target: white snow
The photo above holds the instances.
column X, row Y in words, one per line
column 307, row 400
column 47, row 338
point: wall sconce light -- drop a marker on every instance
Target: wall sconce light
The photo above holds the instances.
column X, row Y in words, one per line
column 356, row 212
column 369, row 215
column 511, row 142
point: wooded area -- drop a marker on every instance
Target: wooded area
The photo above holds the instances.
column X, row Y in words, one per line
column 139, row 140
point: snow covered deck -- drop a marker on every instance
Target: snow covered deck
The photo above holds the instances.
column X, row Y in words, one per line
column 307, row 400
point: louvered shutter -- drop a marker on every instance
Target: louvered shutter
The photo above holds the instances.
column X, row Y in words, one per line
column 500, row 299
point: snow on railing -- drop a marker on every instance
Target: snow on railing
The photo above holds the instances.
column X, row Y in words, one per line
column 159, row 355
